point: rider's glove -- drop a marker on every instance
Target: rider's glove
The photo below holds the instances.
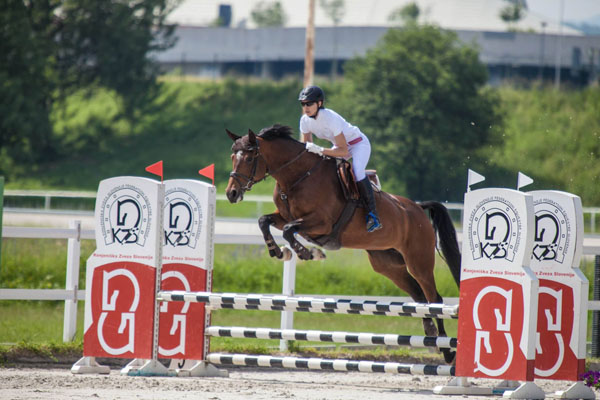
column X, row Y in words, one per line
column 314, row 148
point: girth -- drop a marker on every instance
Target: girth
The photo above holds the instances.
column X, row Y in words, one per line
column 347, row 182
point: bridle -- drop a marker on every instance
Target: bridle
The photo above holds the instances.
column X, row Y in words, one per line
column 250, row 181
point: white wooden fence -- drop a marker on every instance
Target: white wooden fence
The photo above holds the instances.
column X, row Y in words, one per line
column 72, row 294
column 48, row 195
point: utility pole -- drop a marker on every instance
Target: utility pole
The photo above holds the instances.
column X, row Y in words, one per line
column 542, row 48
column 559, row 47
column 309, row 56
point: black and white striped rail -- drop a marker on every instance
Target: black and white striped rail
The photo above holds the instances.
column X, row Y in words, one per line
column 311, row 304
column 334, row 337
column 331, row 365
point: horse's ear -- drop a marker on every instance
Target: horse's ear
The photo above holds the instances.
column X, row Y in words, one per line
column 252, row 137
column 232, row 135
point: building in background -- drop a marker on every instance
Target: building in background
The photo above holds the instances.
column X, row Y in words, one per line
column 219, row 38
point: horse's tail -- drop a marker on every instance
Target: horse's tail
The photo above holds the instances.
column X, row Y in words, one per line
column 445, row 230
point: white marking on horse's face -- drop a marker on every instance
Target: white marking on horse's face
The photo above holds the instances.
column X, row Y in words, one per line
column 239, row 156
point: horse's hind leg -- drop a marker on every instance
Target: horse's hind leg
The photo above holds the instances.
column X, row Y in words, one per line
column 421, row 267
column 449, row 354
column 391, row 264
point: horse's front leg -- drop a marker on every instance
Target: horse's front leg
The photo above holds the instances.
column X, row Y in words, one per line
column 265, row 223
column 289, row 233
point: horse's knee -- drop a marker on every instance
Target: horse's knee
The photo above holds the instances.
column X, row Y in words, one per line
column 264, row 222
column 288, row 232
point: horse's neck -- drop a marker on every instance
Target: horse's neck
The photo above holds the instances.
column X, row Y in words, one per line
column 287, row 175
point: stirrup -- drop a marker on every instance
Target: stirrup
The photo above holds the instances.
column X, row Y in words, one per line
column 373, row 222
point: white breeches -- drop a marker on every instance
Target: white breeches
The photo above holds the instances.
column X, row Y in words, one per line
column 360, row 153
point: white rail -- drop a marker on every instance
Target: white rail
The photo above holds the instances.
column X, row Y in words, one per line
column 48, row 195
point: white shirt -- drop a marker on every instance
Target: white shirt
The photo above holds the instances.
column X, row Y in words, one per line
column 327, row 125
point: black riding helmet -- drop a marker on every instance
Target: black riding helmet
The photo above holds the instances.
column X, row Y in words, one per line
column 312, row 93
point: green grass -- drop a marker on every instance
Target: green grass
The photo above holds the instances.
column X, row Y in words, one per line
column 33, row 321
column 40, row 263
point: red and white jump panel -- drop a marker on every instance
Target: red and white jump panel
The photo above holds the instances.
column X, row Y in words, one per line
column 562, row 306
column 310, row 304
column 498, row 291
column 149, row 236
column 333, row 337
column 329, row 365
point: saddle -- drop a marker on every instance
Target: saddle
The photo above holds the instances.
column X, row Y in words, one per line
column 349, row 187
column 348, row 180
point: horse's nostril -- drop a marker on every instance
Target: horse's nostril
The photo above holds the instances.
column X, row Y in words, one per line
column 232, row 195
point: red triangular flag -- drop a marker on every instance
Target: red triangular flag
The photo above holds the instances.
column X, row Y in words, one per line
column 209, row 172
column 156, row 169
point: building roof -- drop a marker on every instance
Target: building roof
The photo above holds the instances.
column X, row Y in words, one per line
column 216, row 45
column 476, row 15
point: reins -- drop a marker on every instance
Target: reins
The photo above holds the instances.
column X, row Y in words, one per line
column 250, row 179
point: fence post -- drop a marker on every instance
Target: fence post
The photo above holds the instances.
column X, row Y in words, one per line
column 596, row 314
column 289, row 288
column 72, row 283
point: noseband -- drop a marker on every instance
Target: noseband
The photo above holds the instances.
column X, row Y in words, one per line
column 250, row 181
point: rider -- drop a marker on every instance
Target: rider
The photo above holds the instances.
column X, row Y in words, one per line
column 348, row 142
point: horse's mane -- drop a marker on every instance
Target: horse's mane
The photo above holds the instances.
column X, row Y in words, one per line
column 276, row 132
column 269, row 133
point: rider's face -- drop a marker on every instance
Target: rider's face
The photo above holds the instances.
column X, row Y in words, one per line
column 309, row 108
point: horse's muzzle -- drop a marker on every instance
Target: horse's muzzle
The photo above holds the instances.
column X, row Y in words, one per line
column 234, row 195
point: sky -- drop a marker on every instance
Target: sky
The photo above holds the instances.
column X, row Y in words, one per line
column 574, row 10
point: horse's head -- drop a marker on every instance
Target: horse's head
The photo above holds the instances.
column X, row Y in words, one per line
column 249, row 167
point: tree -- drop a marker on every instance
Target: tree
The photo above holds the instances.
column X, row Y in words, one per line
column 27, row 82
column 268, row 14
column 514, row 12
column 420, row 96
column 109, row 43
column 407, row 14
column 334, row 10
column 51, row 49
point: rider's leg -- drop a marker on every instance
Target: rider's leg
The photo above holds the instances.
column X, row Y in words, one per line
column 360, row 157
column 366, row 193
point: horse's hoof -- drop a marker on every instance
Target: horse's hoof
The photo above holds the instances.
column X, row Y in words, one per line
column 317, row 254
column 286, row 254
column 449, row 356
column 275, row 253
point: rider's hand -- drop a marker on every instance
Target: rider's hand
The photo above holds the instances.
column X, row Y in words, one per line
column 314, row 148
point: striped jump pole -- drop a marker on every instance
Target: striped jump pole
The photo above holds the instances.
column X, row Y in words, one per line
column 333, row 337
column 310, row 304
column 330, row 365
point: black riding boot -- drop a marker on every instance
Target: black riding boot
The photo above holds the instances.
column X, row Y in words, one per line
column 366, row 193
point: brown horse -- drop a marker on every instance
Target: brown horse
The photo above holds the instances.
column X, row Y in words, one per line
column 309, row 200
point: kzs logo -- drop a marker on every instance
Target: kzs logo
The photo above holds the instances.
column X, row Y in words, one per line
column 128, row 216
column 125, row 217
column 552, row 231
column 183, row 218
column 494, row 231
